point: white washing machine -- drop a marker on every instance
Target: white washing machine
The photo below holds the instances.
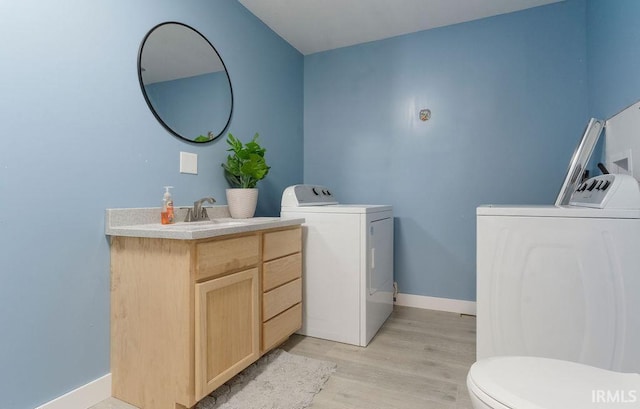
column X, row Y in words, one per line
column 563, row 281
column 347, row 275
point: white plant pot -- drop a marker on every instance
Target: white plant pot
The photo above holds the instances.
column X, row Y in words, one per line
column 242, row 202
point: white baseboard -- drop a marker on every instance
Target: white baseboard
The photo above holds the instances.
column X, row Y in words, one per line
column 435, row 303
column 83, row 397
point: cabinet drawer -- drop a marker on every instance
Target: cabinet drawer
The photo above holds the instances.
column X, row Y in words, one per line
column 280, row 271
column 281, row 298
column 220, row 256
column 282, row 243
column 280, row 327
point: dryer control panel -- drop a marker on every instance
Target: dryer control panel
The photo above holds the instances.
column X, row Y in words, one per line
column 611, row 191
column 307, row 195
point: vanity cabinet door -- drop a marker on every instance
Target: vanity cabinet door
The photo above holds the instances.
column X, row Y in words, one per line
column 227, row 326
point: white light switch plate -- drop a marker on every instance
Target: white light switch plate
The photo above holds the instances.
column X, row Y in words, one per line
column 189, row 163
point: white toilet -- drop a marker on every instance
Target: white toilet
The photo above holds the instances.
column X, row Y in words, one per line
column 524, row 382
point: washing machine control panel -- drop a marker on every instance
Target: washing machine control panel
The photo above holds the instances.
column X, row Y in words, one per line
column 307, row 195
column 610, row 191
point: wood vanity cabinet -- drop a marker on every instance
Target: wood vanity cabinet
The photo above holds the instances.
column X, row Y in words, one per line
column 188, row 315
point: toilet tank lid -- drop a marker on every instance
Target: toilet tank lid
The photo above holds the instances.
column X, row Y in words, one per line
column 541, row 383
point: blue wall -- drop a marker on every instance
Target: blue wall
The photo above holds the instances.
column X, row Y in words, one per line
column 509, row 102
column 613, row 39
column 77, row 138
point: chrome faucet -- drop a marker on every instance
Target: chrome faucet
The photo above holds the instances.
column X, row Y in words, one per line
column 198, row 212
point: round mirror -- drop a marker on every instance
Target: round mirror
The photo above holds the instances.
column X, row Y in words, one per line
column 185, row 82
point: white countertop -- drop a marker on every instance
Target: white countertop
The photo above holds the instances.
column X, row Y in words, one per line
column 144, row 222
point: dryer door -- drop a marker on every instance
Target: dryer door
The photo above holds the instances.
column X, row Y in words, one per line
column 380, row 249
column 379, row 296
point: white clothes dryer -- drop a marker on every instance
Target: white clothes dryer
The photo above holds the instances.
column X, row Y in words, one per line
column 347, row 274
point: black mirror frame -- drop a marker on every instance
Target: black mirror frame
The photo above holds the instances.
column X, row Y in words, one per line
column 150, row 105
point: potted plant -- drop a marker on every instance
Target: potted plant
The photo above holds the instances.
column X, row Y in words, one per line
column 244, row 168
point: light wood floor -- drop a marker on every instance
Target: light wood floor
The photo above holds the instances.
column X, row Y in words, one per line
column 419, row 359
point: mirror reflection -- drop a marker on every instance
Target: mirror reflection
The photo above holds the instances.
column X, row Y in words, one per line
column 185, row 82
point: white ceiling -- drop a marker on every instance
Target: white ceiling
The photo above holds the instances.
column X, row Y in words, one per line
column 319, row 25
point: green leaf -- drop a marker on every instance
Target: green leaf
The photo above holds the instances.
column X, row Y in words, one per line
column 245, row 166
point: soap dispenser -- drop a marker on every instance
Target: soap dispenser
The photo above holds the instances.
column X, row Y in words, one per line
column 166, row 215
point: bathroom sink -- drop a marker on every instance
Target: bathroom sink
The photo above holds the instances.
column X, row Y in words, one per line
column 203, row 225
column 227, row 221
